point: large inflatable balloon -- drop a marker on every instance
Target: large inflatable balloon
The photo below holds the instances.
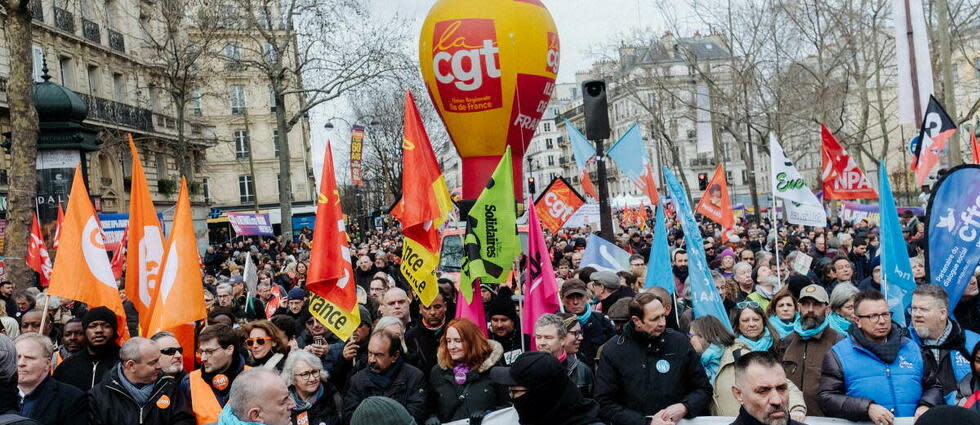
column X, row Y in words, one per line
column 490, row 67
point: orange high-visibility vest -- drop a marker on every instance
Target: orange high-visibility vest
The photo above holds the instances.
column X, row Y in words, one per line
column 203, row 401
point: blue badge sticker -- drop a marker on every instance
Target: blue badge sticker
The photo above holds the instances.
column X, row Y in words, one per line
column 663, row 366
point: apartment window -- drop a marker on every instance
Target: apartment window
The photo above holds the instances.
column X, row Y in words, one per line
column 278, row 182
column 206, row 188
column 38, row 56
column 119, row 87
column 246, row 189
column 551, row 161
column 152, row 89
column 242, row 148
column 233, row 54
column 547, row 126
column 269, row 53
column 93, row 80
column 196, row 103
column 161, row 161
column 549, row 143
column 67, row 67
column 275, row 141
column 237, row 96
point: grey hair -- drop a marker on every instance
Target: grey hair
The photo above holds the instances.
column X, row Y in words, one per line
column 717, row 276
column 791, row 257
column 163, row 334
column 297, row 356
column 47, row 347
column 388, row 321
column 842, row 293
column 917, row 259
column 552, row 320
column 222, row 287
column 132, row 349
column 742, row 265
column 936, row 292
column 247, row 389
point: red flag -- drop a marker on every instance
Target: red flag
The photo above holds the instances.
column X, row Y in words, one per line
column 330, row 274
column 37, row 253
column 57, row 228
column 842, row 178
column 715, row 203
column 976, row 147
column 937, row 128
column 587, row 185
column 541, row 292
column 119, row 257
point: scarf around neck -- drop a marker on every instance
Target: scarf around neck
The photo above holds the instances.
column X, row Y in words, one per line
column 586, row 315
column 302, row 406
column 762, row 344
column 810, row 333
column 783, row 328
column 140, row 394
column 711, row 360
column 839, row 323
column 385, row 379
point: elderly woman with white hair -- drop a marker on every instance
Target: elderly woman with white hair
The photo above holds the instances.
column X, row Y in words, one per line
column 842, row 307
column 317, row 400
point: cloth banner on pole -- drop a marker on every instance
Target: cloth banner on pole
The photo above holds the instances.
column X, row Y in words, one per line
column 842, row 178
column 659, row 271
column 911, row 41
column 953, row 232
column 356, row 155
column 604, row 255
column 250, row 224
column 557, row 203
column 896, row 270
column 789, row 185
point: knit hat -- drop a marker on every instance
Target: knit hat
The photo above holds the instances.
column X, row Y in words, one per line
column 503, row 305
column 945, row 415
column 875, row 262
column 296, row 294
column 99, row 313
column 728, row 253
column 381, row 411
column 796, row 282
column 365, row 314
column 8, row 360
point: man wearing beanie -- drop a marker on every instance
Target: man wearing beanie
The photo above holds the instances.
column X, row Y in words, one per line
column 379, row 410
column 8, row 383
column 295, row 301
column 101, row 354
column 542, row 392
column 345, row 358
column 505, row 327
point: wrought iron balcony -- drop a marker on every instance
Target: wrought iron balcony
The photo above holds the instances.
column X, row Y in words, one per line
column 117, row 41
column 91, row 31
column 64, row 20
column 37, row 10
column 118, row 113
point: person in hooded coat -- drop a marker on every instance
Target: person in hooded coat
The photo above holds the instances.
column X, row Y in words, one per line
column 542, row 393
column 460, row 383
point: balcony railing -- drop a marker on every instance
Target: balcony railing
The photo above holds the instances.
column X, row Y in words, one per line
column 117, row 41
column 702, row 162
column 3, row 88
column 118, row 113
column 64, row 20
column 37, row 11
column 91, row 31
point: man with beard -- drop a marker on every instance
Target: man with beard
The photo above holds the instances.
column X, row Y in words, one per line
column 945, row 346
column 88, row 367
column 364, row 272
column 762, row 390
column 876, row 374
column 72, row 341
column 423, row 341
column 809, row 342
column 221, row 363
column 171, row 354
column 344, row 358
column 505, row 326
column 543, row 394
column 388, row 375
column 646, row 356
column 678, row 261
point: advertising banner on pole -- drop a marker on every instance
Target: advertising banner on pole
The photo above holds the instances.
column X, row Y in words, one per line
column 356, row 155
column 250, row 224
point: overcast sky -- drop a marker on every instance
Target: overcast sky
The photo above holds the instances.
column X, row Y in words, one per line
column 584, row 26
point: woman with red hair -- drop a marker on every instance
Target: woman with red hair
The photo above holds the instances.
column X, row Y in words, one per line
column 460, row 382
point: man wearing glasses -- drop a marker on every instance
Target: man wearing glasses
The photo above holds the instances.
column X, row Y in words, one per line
column 945, row 345
column 221, row 363
column 171, row 354
column 876, row 374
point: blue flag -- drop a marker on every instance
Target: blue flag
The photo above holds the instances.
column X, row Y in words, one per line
column 582, row 149
column 704, row 295
column 954, row 231
column 604, row 255
column 659, row 272
column 896, row 270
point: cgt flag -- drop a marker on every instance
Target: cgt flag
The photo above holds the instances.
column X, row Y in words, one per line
column 541, row 293
column 715, row 203
column 491, row 242
column 954, row 230
column 556, row 204
column 424, row 206
column 37, row 253
column 896, row 270
column 631, row 157
column 144, row 250
column 936, row 130
column 842, row 178
column 331, row 278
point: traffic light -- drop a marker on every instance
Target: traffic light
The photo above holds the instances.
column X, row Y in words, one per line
column 702, row 181
column 530, row 185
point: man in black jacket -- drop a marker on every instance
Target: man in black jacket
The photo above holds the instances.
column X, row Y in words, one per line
column 596, row 327
column 423, row 341
column 135, row 392
column 390, row 376
column 9, row 409
column 44, row 399
column 85, row 369
column 762, row 389
column 650, row 371
column 505, row 326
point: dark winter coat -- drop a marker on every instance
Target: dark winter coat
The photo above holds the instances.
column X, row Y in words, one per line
column 423, row 344
column 84, row 370
column 326, row 410
column 638, row 375
column 803, row 360
column 451, row 402
column 56, row 403
column 407, row 388
column 596, row 331
column 111, row 404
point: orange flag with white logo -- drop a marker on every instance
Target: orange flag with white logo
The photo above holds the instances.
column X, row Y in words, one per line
column 144, row 250
column 180, row 294
column 330, row 277
column 82, row 271
column 715, row 204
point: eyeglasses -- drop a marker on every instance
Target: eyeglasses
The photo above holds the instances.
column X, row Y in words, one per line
column 312, row 373
column 258, row 341
column 201, row 352
column 169, row 351
column 747, row 304
column 876, row 317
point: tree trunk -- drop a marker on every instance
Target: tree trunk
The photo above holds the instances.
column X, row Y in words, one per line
column 285, row 175
column 182, row 165
column 23, row 145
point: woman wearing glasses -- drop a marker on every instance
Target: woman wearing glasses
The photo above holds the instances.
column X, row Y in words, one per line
column 266, row 344
column 317, row 400
column 460, row 382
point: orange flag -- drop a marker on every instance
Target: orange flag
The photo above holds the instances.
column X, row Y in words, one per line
column 144, row 250
column 715, row 203
column 180, row 295
column 82, row 271
column 330, row 277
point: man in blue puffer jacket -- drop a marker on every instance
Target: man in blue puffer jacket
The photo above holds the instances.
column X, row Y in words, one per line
column 875, row 374
column 944, row 344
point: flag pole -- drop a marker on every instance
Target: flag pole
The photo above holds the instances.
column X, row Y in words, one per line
column 772, row 206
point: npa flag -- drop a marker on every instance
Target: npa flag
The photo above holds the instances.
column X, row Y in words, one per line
column 37, row 253
column 842, row 178
column 582, row 151
column 953, row 232
column 631, row 157
column 802, row 206
column 715, row 203
column 896, row 270
column 975, row 146
column 659, row 271
column 491, row 242
column 119, row 257
column 180, row 296
column 556, row 204
column 57, row 227
column 541, row 292
column 424, row 206
column 82, row 271
column 936, row 130
column 330, row 278
column 704, row 294
column 145, row 246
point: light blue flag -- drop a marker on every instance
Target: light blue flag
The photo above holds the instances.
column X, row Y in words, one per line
column 604, row 255
column 896, row 269
column 582, row 148
column 629, row 154
column 704, row 295
column 659, row 272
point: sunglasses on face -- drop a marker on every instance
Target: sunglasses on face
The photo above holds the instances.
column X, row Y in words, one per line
column 747, row 304
column 257, row 341
column 169, row 351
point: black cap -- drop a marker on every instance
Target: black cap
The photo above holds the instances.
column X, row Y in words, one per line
column 532, row 370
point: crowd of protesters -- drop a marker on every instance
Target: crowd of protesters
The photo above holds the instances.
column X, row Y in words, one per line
column 810, row 335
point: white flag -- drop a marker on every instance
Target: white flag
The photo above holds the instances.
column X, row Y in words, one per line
column 250, row 275
column 903, row 53
column 802, row 205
